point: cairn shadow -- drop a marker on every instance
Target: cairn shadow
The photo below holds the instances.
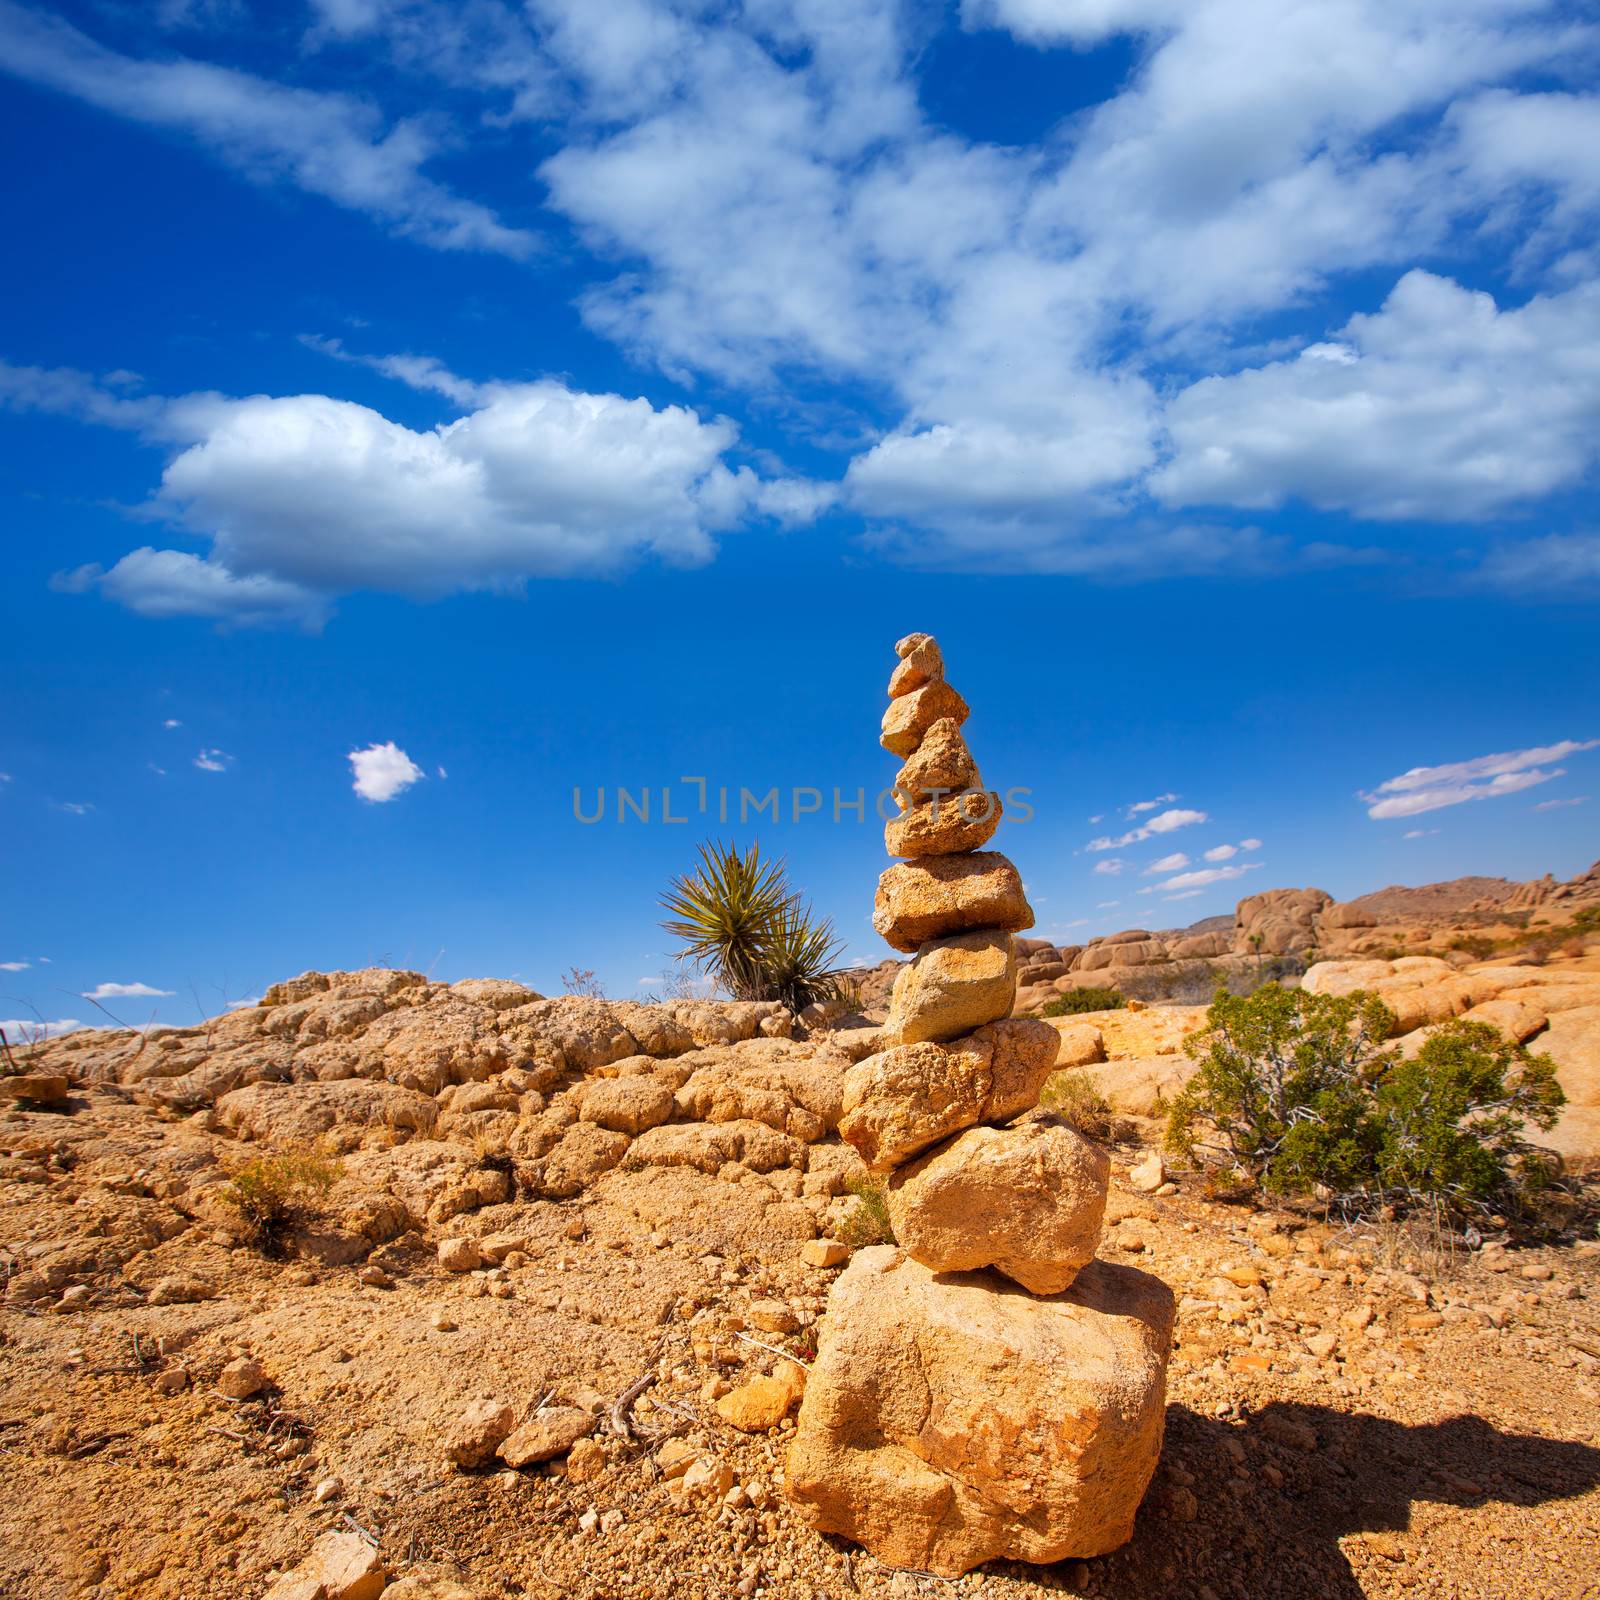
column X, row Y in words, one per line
column 1275, row 1493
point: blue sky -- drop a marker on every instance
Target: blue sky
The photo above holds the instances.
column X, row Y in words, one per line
column 571, row 395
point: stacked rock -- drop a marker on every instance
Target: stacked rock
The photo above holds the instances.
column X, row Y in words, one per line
column 987, row 1389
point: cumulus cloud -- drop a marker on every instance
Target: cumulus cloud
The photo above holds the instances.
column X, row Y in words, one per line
column 336, row 146
column 1204, row 877
column 213, row 761
column 15, row 966
column 1440, row 405
column 1162, row 822
column 1483, row 778
column 1168, row 863
column 1111, row 867
column 172, row 722
column 1139, row 806
column 305, row 497
column 125, row 991
column 1226, row 852
column 382, row 771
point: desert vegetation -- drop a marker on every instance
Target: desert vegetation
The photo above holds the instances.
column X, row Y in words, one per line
column 741, row 923
column 1296, row 1093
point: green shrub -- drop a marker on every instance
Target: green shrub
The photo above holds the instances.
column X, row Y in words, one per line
column 1302, row 1096
column 1077, row 1001
column 1075, row 1097
column 740, row 922
column 272, row 1193
column 868, row 1221
column 1453, row 1117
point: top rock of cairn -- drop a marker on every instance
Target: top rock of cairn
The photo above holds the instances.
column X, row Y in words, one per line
column 948, row 1419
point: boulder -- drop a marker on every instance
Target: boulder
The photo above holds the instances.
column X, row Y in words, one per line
column 341, row 1115
column 628, row 1105
column 581, row 1155
column 1572, row 1041
column 953, row 1419
column 920, row 663
column 944, row 824
column 952, row 986
column 936, row 896
column 911, row 715
column 906, row 1098
column 43, row 1088
column 1027, row 1200
column 942, row 763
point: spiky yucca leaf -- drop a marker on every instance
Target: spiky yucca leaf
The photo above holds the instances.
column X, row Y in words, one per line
column 724, row 912
column 798, row 956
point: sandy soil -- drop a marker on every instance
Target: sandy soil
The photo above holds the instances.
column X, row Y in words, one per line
column 1449, row 1447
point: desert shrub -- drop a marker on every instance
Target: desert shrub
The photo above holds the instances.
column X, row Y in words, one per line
column 740, row 921
column 273, row 1193
column 1453, row 1116
column 868, row 1220
column 582, row 981
column 1077, row 1001
column 1074, row 1096
column 1303, row 1097
column 1477, row 945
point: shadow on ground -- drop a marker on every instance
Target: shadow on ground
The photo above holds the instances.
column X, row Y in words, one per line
column 1341, row 1473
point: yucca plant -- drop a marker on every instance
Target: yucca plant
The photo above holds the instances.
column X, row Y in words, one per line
column 724, row 914
column 798, row 957
column 740, row 922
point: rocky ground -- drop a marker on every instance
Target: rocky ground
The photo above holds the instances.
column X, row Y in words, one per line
column 542, row 1203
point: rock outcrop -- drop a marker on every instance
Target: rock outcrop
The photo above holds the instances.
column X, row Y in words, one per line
column 987, row 1389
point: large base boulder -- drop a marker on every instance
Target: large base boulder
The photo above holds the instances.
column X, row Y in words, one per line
column 951, row 1420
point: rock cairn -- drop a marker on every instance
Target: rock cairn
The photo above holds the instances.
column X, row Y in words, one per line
column 987, row 1388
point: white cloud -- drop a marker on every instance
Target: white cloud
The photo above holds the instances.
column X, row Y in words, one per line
column 1107, row 905
column 1552, row 566
column 213, row 761
column 333, row 145
column 29, row 1030
column 1483, row 778
column 305, row 497
column 1168, row 863
column 1249, row 844
column 172, row 722
column 1162, row 822
column 76, row 808
column 382, row 771
column 1150, row 805
column 1557, row 805
column 1186, row 894
column 15, row 966
column 1438, row 406
column 125, row 991
column 1419, row 833
column 1111, row 867
column 1206, row 876
column 1222, row 852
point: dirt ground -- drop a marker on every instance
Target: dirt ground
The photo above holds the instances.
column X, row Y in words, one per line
column 1347, row 1415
